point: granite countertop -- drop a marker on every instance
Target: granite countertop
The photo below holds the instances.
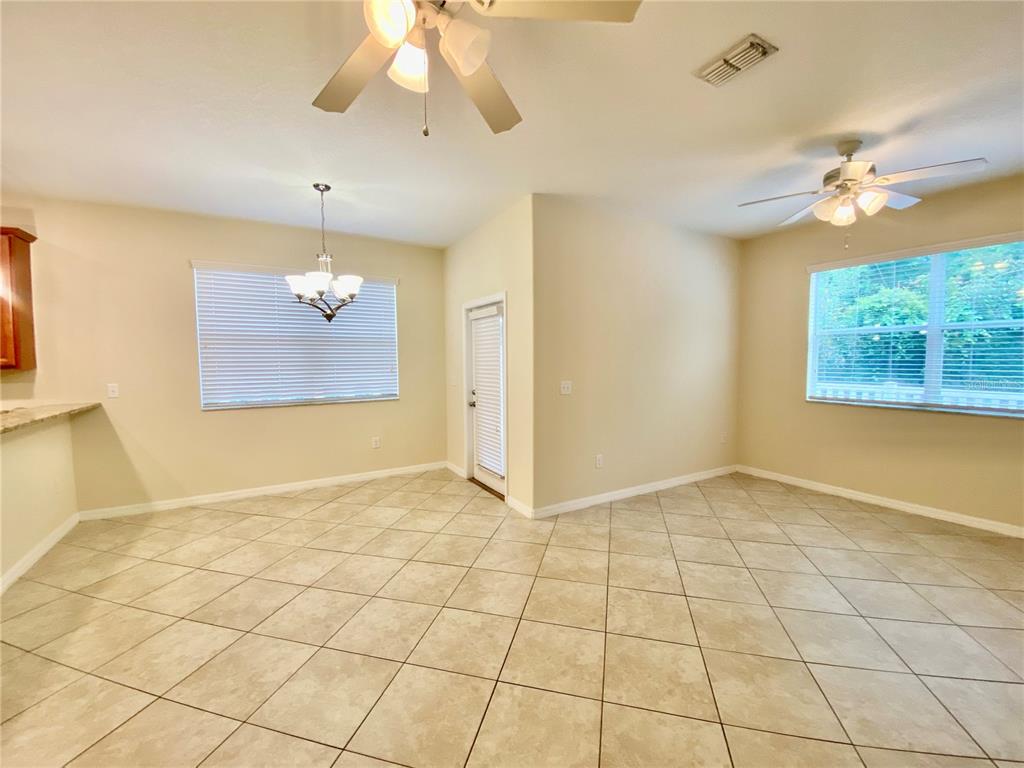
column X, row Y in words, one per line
column 17, row 417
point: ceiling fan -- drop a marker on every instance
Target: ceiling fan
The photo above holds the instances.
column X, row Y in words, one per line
column 398, row 29
column 855, row 187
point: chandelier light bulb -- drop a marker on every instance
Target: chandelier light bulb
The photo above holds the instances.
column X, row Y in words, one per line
column 845, row 213
column 871, row 201
column 297, row 285
column 409, row 69
column 466, row 43
column 824, row 209
column 389, row 21
column 346, row 286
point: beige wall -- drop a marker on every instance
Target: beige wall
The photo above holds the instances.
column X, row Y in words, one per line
column 114, row 302
column 37, row 489
column 963, row 463
column 495, row 258
column 642, row 318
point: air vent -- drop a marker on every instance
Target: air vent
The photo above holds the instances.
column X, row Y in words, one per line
column 745, row 54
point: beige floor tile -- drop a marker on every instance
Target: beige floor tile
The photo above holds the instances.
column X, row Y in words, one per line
column 168, row 657
column 691, row 525
column 886, row 709
column 829, row 638
column 757, row 749
column 976, row 607
column 312, row 617
column 135, row 582
column 496, row 592
column 29, row 679
column 335, row 512
column 887, row 600
column 251, row 558
column 276, row 506
column 939, row 649
column 326, row 493
column 730, row 510
column 60, row 727
column 79, row 575
column 774, row 557
column 598, row 514
column 361, row 574
column 328, row 697
column 393, row 543
column 647, row 502
column 556, row 658
column 818, row 536
column 364, row 495
column 115, row 536
column 573, row 564
column 425, row 718
column 298, row 533
column 888, row 758
column 991, row 712
column 924, row 570
column 252, row 747
column 1007, row 645
column 25, row 595
column 447, row 503
column 946, row 545
column 303, row 566
column 650, row 573
column 511, row 556
column 529, row 531
column 61, row 556
column 386, row 628
column 653, row 615
column 638, row 520
column 157, row 544
column 167, row 518
column 246, row 605
column 720, row 582
column 163, row 735
column 992, row 573
column 770, row 694
column 375, row 517
column 738, row 627
column 472, row 525
column 700, row 549
column 801, row 590
column 201, row 551
column 485, row 504
column 655, row 675
column 886, row 541
column 460, row 487
column 451, row 550
column 9, row 653
column 254, row 526
column 787, row 515
column 210, row 521
column 580, row 536
column 190, row 592
column 684, row 506
column 430, row 583
column 526, row 727
column 237, row 681
column 573, row 603
column 849, row 564
column 408, row 499
column 346, row 538
column 648, row 543
column 99, row 641
column 754, row 530
column 635, row 738
column 467, row 642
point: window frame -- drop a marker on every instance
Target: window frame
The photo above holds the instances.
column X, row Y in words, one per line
column 197, row 265
column 936, row 303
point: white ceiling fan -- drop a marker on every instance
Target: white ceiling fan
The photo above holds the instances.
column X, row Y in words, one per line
column 855, row 187
column 398, row 28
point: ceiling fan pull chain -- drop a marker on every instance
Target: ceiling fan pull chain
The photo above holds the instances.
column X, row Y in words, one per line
column 426, row 63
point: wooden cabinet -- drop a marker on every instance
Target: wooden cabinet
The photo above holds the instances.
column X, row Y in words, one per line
column 17, row 341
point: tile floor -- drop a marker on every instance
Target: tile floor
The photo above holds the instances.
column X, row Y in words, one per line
column 418, row 621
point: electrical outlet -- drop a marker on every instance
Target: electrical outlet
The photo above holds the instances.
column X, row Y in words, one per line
column 375, row 442
column 599, row 461
column 113, row 390
column 565, row 388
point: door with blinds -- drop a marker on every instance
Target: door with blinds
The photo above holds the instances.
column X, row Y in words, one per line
column 487, row 397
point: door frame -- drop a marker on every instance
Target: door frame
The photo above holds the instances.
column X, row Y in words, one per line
column 467, row 381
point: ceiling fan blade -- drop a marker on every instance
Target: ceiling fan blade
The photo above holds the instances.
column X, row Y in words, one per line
column 931, row 171
column 621, row 11
column 781, row 197
column 799, row 214
column 899, row 201
column 486, row 93
column 350, row 79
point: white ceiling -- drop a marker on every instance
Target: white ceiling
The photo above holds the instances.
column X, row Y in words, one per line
column 205, row 107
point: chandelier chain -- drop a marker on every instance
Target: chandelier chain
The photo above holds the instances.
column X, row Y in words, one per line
column 323, row 237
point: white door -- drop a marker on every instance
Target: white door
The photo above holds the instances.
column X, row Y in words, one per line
column 487, row 395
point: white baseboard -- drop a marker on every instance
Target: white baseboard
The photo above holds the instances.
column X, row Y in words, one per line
column 460, row 471
column 1007, row 529
column 519, row 506
column 13, row 573
column 621, row 493
column 207, row 498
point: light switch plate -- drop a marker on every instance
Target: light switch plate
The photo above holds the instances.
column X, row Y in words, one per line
column 113, row 390
column 375, row 442
column 565, row 388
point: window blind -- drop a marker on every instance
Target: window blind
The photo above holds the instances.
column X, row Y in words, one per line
column 943, row 331
column 259, row 347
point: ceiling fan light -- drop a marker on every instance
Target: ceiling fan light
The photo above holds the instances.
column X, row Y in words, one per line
column 824, row 209
column 346, row 286
column 317, row 282
column 466, row 43
column 871, row 201
column 389, row 20
column 845, row 213
column 409, row 69
column 297, row 285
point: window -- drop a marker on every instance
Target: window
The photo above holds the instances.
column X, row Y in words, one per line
column 943, row 331
column 260, row 347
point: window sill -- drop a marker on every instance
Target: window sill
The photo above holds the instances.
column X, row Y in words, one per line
column 932, row 408
column 248, row 406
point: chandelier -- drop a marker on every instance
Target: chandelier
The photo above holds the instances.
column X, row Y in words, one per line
column 311, row 288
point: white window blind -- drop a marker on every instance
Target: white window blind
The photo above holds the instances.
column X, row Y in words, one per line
column 259, row 347
column 489, row 392
column 943, row 331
